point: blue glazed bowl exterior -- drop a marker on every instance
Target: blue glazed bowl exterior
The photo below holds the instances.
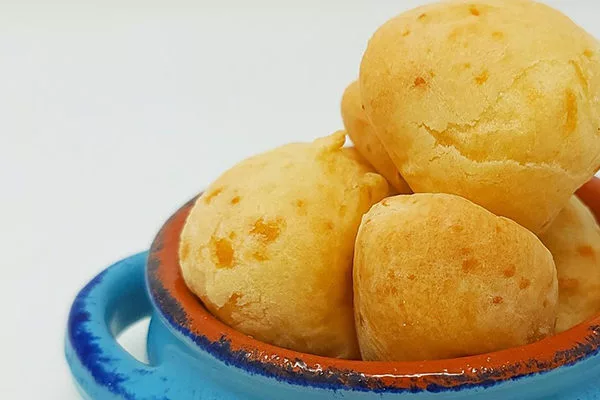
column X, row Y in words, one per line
column 180, row 369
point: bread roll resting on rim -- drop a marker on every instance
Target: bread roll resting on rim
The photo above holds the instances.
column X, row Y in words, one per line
column 437, row 276
column 268, row 247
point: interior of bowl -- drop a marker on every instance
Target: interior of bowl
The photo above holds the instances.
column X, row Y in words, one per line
column 184, row 312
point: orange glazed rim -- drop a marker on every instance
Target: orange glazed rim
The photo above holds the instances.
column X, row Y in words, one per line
column 185, row 313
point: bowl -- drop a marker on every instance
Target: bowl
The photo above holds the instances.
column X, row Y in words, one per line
column 192, row 355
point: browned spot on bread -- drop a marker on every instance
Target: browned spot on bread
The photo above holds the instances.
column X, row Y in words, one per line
column 588, row 53
column 497, row 35
column 586, row 251
column 368, row 148
column 474, row 11
column 482, row 78
column 412, row 277
column 469, row 264
column 385, row 203
column 497, row 299
column 545, row 303
column 465, row 251
column 211, row 195
column 509, row 271
column 571, row 106
column 185, row 250
column 419, row 81
column 457, row 228
column 226, row 311
column 260, row 256
column 232, row 235
column 498, row 229
column 568, row 284
column 329, row 225
column 405, row 32
column 467, row 65
column 235, row 200
column 363, row 107
column 422, row 17
column 267, row 230
column 301, row 204
column 524, row 283
column 223, row 252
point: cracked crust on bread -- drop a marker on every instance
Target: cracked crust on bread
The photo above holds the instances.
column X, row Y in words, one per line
column 477, row 104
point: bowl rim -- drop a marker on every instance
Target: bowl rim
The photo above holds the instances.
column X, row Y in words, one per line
column 185, row 313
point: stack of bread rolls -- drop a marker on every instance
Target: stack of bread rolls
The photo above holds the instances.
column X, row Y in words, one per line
column 451, row 227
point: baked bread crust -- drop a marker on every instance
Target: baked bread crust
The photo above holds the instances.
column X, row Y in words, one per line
column 268, row 247
column 468, row 98
column 437, row 276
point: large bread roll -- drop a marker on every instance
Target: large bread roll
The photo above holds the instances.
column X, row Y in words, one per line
column 366, row 142
column 573, row 238
column 437, row 276
column 494, row 100
column 268, row 247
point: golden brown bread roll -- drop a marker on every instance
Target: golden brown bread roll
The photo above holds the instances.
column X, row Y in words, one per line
column 268, row 247
column 494, row 100
column 366, row 142
column 437, row 276
column 573, row 238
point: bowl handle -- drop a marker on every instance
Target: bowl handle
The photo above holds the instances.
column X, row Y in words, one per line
column 110, row 302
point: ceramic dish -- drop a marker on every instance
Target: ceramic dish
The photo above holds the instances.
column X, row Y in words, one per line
column 194, row 356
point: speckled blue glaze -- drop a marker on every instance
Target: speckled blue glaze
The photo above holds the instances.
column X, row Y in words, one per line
column 181, row 368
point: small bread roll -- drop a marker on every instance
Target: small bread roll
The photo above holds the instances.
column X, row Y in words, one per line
column 437, row 276
column 366, row 142
column 268, row 247
column 497, row 101
column 573, row 238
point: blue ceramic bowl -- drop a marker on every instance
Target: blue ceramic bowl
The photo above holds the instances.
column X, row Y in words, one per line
column 194, row 356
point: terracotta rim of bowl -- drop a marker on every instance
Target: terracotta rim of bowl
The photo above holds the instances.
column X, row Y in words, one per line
column 184, row 312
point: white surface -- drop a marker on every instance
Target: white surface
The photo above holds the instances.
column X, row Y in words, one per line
column 113, row 113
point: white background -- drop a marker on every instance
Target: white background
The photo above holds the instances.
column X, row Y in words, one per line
column 113, row 113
